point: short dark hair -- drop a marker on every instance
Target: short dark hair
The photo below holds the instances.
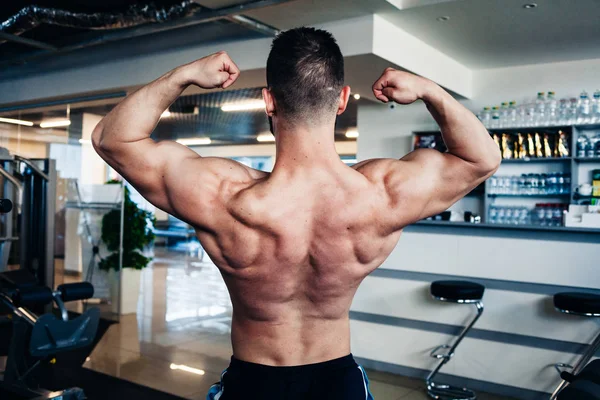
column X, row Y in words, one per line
column 305, row 72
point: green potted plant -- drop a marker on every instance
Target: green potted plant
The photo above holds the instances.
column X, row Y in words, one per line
column 137, row 235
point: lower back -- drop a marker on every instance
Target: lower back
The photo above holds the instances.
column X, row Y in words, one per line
column 290, row 341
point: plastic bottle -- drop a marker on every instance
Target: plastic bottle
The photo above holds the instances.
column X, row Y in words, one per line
column 540, row 110
column 503, row 122
column 485, row 116
column 573, row 109
column 551, row 109
column 495, row 124
column 596, row 107
column 582, row 145
column 583, row 108
column 513, row 114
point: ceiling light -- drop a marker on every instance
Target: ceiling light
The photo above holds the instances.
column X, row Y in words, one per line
column 244, row 106
column 265, row 137
column 55, row 124
column 185, row 368
column 443, row 18
column 16, row 121
column 352, row 133
column 357, row 96
column 202, row 141
column 529, row 6
column 165, row 114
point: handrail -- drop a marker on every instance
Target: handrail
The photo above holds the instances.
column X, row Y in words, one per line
column 34, row 167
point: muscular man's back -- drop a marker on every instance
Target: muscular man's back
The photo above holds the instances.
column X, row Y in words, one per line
column 295, row 256
column 294, row 245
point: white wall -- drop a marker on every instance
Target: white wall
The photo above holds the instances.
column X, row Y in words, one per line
column 538, row 261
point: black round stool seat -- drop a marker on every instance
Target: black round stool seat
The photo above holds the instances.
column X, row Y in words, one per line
column 458, row 291
column 577, row 303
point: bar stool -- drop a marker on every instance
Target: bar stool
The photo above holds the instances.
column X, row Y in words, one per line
column 462, row 292
column 585, row 305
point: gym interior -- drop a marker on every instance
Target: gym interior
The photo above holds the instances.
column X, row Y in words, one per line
column 102, row 294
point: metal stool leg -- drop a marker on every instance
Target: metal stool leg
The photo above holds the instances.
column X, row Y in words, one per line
column 447, row 392
column 582, row 362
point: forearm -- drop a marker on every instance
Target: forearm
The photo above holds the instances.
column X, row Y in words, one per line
column 136, row 117
column 464, row 135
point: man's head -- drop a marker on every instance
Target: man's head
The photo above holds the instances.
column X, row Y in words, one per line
column 305, row 77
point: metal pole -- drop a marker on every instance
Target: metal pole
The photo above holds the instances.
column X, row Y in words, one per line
column 581, row 363
column 121, row 247
column 26, row 41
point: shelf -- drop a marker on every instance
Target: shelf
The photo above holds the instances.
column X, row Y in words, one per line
column 540, row 129
column 577, row 196
column 524, row 128
column 530, row 195
column 587, row 159
column 507, row 227
column 535, row 160
column 93, row 206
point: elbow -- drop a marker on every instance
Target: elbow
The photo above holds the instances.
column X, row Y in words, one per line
column 97, row 138
column 490, row 164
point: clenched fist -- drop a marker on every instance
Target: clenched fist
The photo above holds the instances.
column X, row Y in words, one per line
column 401, row 87
column 214, row 71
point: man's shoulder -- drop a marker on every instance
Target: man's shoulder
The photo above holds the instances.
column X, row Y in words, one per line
column 376, row 168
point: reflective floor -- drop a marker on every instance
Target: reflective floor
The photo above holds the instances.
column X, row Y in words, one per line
column 179, row 340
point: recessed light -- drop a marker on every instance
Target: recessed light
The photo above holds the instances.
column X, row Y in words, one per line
column 201, row 141
column 529, row 6
column 16, row 121
column 352, row 133
column 265, row 137
column 55, row 124
column 357, row 96
column 244, row 106
column 443, row 18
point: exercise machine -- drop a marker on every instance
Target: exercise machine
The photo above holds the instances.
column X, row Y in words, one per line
column 37, row 342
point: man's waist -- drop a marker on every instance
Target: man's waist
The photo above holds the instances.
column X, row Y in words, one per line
column 247, row 368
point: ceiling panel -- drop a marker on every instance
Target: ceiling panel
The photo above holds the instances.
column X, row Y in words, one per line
column 500, row 33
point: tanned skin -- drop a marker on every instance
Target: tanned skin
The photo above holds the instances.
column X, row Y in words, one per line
column 293, row 245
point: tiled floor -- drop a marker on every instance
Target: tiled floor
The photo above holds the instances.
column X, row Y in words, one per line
column 179, row 340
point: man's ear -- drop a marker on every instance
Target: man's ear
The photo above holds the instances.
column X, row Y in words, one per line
column 269, row 102
column 344, row 96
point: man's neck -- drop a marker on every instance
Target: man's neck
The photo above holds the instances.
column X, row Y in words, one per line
column 308, row 146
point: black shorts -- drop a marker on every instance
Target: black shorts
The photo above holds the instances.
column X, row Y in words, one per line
column 339, row 379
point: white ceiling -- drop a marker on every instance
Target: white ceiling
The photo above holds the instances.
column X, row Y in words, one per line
column 501, row 33
column 480, row 33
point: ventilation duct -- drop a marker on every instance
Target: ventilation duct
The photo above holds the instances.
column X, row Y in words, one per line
column 137, row 14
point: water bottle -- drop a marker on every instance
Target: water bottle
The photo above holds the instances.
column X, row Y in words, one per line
column 557, row 215
column 596, row 107
column 549, row 215
column 495, row 124
column 573, row 107
column 503, row 122
column 551, row 109
column 493, row 215
column 563, row 112
column 582, row 145
column 512, row 114
column 500, row 215
column 540, row 110
column 583, row 109
column 485, row 117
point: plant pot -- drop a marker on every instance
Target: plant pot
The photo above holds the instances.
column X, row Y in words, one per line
column 130, row 290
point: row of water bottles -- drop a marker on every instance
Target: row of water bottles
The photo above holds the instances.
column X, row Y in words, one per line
column 544, row 111
column 530, row 184
column 546, row 214
column 509, row 215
